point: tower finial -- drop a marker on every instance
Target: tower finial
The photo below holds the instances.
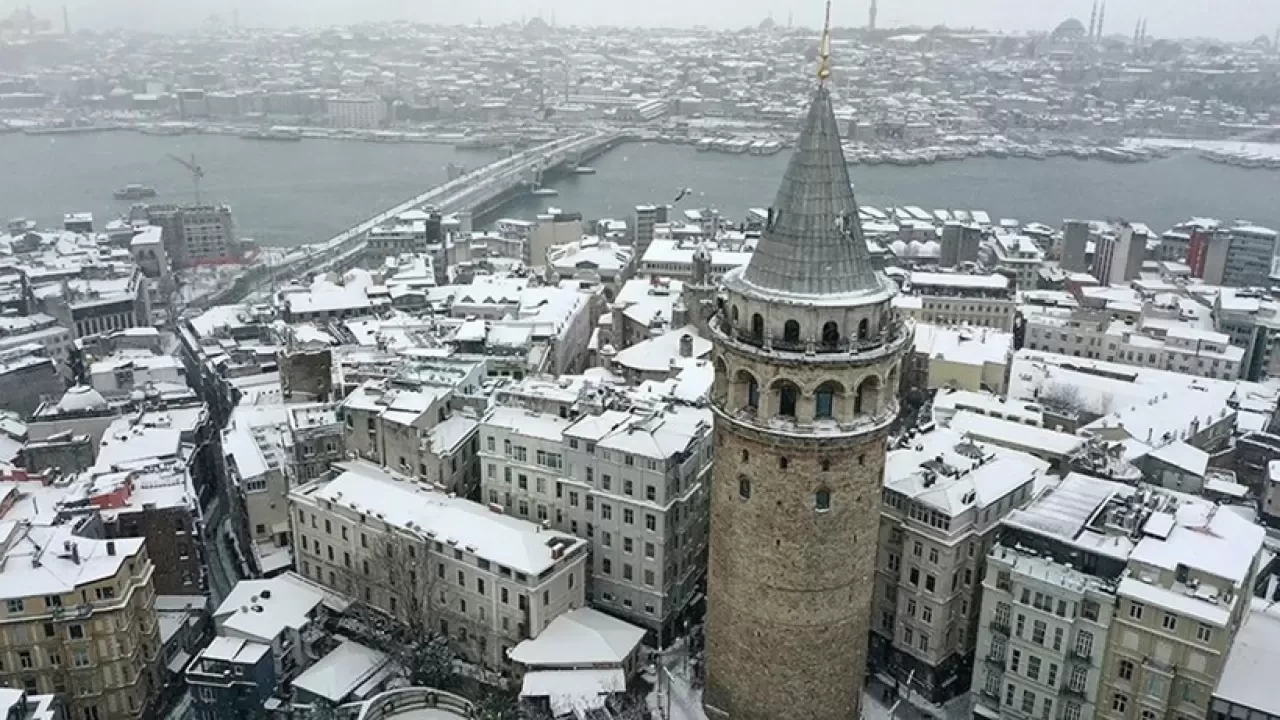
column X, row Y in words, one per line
column 824, row 52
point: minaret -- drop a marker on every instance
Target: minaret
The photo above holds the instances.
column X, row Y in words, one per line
column 1093, row 20
column 1102, row 18
column 66, row 21
column 807, row 356
column 871, row 16
column 1137, row 33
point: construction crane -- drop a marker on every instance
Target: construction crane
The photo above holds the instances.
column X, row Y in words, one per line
column 197, row 172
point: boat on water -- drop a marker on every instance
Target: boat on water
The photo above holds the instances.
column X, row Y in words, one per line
column 584, row 170
column 545, row 192
column 135, row 191
column 275, row 133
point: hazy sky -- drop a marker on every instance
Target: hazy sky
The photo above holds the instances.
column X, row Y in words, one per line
column 1229, row 19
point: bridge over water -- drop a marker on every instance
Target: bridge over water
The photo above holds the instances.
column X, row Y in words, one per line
column 477, row 192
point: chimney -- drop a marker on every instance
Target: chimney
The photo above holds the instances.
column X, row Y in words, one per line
column 111, row 548
column 686, row 346
column 75, row 553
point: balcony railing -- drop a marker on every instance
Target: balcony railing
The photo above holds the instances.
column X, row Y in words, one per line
column 1080, row 655
column 406, row 702
column 997, row 660
column 1069, row 690
column 845, row 345
column 1000, row 627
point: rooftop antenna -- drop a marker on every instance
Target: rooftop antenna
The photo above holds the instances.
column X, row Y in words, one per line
column 824, row 51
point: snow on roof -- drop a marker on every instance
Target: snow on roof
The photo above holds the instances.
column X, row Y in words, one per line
column 234, row 650
column 968, row 346
column 987, row 282
column 1015, row 434
column 1064, row 511
column 1248, row 674
column 1221, row 544
column 502, row 539
column 949, row 472
column 337, row 674
column 543, row 426
column 656, row 354
column 249, row 613
column 574, row 690
column 581, row 637
column 445, row 437
column 56, row 573
column 1181, row 603
column 1183, row 456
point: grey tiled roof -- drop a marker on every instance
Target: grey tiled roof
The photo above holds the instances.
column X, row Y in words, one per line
column 814, row 243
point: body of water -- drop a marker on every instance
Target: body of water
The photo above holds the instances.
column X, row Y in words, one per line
column 282, row 193
column 287, row 193
column 1159, row 193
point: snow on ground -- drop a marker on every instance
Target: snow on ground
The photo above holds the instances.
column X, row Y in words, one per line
column 1232, row 146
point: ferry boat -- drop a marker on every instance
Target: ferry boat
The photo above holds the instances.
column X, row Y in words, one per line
column 584, row 170
column 545, row 192
column 135, row 191
column 275, row 133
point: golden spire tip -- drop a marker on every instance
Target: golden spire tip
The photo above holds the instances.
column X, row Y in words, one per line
column 824, row 51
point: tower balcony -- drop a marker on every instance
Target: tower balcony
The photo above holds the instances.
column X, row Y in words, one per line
column 845, row 350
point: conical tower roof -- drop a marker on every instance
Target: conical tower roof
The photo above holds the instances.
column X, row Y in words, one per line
column 813, row 244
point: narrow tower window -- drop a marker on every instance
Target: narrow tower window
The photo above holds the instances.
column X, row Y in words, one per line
column 830, row 334
column 757, row 328
column 822, row 500
column 791, row 332
column 788, row 396
column 862, row 329
column 824, row 405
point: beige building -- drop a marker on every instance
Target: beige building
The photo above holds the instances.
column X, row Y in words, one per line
column 1106, row 600
column 944, row 496
column 959, row 358
column 485, row 579
column 956, row 299
column 77, row 618
column 633, row 484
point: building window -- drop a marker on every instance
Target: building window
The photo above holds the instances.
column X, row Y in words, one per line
column 1169, row 622
column 791, row 332
column 1204, row 633
column 1124, row 670
column 1135, row 610
column 788, row 396
column 744, row 487
column 830, row 334
column 1119, row 702
column 822, row 500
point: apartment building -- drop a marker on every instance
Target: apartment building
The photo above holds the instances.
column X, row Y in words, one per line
column 1017, row 256
column 633, row 484
column 386, row 420
column 485, row 579
column 1181, row 348
column 316, row 439
column 1238, row 256
column 944, row 496
column 78, row 619
column 1107, row 600
column 956, row 299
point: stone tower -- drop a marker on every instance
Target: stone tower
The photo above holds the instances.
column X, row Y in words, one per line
column 807, row 357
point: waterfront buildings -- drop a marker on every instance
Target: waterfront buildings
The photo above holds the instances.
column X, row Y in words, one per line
column 196, row 234
column 807, row 352
column 356, row 111
column 1238, row 256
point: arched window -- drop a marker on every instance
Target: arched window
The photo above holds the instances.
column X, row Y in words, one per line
column 866, row 399
column 788, row 398
column 791, row 332
column 744, row 487
column 826, row 465
column 830, row 334
column 757, row 328
column 822, row 500
column 746, row 391
column 734, row 314
column 824, row 405
column 783, row 463
column 862, row 329
column 753, row 394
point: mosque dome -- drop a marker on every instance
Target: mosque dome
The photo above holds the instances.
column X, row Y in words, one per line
column 1070, row 28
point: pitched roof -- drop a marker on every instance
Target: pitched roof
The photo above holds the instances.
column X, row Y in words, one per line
column 814, row 244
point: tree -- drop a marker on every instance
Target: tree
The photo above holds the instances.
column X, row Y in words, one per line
column 399, row 595
column 1061, row 397
column 498, row 705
